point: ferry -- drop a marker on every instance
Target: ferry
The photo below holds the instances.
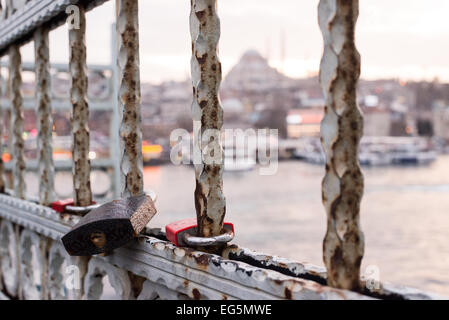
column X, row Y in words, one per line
column 378, row 151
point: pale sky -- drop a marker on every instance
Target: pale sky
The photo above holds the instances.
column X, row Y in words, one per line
column 406, row 39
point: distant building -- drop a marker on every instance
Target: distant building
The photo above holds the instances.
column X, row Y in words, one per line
column 441, row 122
column 253, row 73
column 376, row 121
column 258, row 85
column 232, row 105
column 304, row 122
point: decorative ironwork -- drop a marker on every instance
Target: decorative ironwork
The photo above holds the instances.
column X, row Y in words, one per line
column 32, row 277
column 16, row 24
column 9, row 258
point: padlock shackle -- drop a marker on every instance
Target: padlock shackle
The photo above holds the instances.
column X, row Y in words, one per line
column 77, row 210
column 195, row 241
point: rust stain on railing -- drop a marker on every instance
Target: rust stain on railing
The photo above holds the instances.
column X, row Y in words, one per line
column 80, row 117
column 45, row 120
column 129, row 97
column 341, row 130
column 210, row 202
column 17, row 122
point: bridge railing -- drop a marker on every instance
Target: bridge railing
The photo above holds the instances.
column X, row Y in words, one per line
column 33, row 262
column 102, row 100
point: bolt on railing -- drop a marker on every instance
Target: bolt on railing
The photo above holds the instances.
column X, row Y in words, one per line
column 17, row 122
column 210, row 202
column 131, row 165
column 341, row 130
column 44, row 119
column 80, row 117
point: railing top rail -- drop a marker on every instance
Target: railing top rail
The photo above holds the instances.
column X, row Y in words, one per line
column 19, row 19
column 30, row 66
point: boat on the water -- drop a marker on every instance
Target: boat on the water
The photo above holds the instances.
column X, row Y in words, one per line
column 378, row 151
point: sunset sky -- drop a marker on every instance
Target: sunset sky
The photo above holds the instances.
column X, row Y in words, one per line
column 406, row 39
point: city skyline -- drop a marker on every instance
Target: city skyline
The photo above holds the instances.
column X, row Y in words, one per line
column 410, row 46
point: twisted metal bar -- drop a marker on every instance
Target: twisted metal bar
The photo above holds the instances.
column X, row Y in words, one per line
column 17, row 122
column 210, row 202
column 78, row 95
column 131, row 165
column 45, row 120
column 2, row 180
column 341, row 130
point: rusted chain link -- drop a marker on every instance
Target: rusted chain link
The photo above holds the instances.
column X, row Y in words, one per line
column 45, row 119
column 131, row 165
column 341, row 130
column 80, row 117
column 210, row 202
column 17, row 122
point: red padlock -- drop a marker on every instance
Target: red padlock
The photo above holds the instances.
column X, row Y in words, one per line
column 176, row 231
column 60, row 205
column 68, row 206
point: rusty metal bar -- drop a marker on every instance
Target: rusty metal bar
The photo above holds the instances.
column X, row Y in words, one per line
column 45, row 120
column 129, row 98
column 17, row 122
column 80, row 117
column 2, row 180
column 341, row 130
column 210, row 202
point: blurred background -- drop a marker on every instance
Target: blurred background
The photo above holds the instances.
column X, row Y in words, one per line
column 270, row 52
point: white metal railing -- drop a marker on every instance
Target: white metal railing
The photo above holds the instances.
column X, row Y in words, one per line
column 33, row 262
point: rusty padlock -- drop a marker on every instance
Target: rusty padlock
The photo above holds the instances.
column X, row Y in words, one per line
column 109, row 226
column 183, row 233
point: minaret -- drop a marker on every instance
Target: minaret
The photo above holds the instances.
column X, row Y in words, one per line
column 282, row 51
column 267, row 49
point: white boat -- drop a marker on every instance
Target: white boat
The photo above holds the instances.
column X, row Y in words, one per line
column 413, row 157
column 403, row 150
column 378, row 151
